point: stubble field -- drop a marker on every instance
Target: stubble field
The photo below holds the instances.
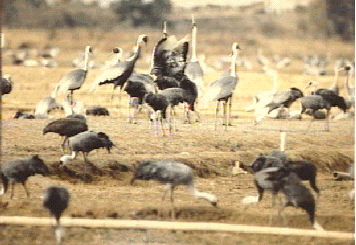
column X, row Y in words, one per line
column 211, row 153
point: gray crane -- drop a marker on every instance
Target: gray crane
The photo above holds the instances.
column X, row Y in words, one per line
column 296, row 194
column 6, row 84
column 85, row 142
column 119, row 73
column 56, row 200
column 193, row 69
column 222, row 90
column 171, row 173
column 74, row 80
column 19, row 170
column 305, row 170
column 66, row 127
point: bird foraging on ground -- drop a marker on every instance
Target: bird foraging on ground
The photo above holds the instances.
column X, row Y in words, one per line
column 171, row 174
column 18, row 170
column 56, row 199
column 85, row 142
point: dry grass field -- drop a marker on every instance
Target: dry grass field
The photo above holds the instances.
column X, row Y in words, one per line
column 212, row 153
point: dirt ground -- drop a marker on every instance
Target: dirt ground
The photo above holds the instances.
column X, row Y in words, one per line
column 107, row 193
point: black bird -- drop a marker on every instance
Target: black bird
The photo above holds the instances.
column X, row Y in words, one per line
column 22, row 115
column 137, row 86
column 97, row 111
column 171, row 173
column 6, row 84
column 159, row 105
column 56, row 200
column 18, row 170
column 85, row 142
column 66, row 127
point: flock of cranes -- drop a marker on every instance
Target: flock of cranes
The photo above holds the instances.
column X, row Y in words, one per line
column 174, row 80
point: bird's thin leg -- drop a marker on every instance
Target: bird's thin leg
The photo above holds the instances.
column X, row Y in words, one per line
column 280, row 212
column 167, row 188
column 161, row 122
column 12, row 189
column 216, row 114
column 85, row 165
column 272, row 206
column 173, row 215
column 327, row 119
column 24, row 186
column 229, row 113
column 225, row 114
column 58, row 232
column 64, row 143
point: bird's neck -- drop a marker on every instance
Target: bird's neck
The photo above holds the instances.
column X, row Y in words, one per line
column 86, row 60
column 194, row 43
column 202, row 195
column 275, row 84
column 137, row 53
column 233, row 63
column 347, row 84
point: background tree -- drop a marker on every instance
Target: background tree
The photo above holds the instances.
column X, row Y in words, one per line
column 141, row 13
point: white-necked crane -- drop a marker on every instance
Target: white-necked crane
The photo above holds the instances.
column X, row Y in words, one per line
column 74, row 80
column 222, row 89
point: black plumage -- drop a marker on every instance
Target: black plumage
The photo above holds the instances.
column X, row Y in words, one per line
column 138, row 85
column 6, row 84
column 332, row 98
column 22, row 115
column 56, row 200
column 313, row 103
column 159, row 105
column 19, row 170
column 66, row 127
column 97, row 111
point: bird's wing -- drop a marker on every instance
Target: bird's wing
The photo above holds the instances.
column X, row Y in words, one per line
column 221, row 88
column 109, row 74
column 194, row 72
column 72, row 80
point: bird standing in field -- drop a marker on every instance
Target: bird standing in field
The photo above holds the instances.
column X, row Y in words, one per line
column 56, row 199
column 159, row 104
column 349, row 89
column 193, row 69
column 66, row 127
column 85, row 142
column 75, row 79
column 222, row 90
column 171, row 173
